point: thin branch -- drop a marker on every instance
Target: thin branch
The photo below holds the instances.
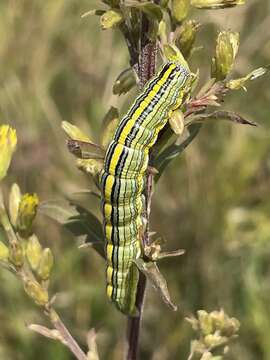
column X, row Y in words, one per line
column 65, row 334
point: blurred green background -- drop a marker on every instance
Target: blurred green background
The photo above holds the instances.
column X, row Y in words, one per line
column 213, row 201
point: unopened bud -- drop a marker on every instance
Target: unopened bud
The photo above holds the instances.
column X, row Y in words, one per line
column 33, row 252
column 16, row 255
column 216, row 4
column 4, row 252
column 214, row 340
column 177, row 122
column 110, row 19
column 125, row 81
column 14, row 201
column 46, row 264
column 8, row 142
column 180, row 9
column 186, row 36
column 27, row 213
column 36, row 292
column 205, row 321
column 226, row 51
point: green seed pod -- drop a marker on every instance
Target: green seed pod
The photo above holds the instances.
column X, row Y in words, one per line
column 216, row 4
column 46, row 264
column 16, row 255
column 14, row 201
column 110, row 19
column 226, row 51
column 33, row 252
column 4, row 252
column 36, row 292
column 186, row 35
column 125, row 81
column 27, row 213
column 180, row 9
column 8, row 142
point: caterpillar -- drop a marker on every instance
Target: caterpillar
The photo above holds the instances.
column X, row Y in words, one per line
column 122, row 179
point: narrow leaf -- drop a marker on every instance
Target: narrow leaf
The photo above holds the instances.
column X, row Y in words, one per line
column 155, row 277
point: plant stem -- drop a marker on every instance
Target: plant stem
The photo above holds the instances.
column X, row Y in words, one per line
column 147, row 66
column 70, row 342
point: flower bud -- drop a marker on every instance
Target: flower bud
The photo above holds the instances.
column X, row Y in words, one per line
column 36, row 292
column 180, row 9
column 214, row 340
column 125, row 81
column 216, row 4
column 177, row 122
column 186, row 36
column 14, row 201
column 111, row 18
column 46, row 264
column 33, row 252
column 226, row 50
column 205, row 321
column 4, row 252
column 8, row 142
column 27, row 213
column 16, row 255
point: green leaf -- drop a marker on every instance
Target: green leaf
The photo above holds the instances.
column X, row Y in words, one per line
column 156, row 279
column 59, row 211
column 77, row 220
column 221, row 115
column 86, row 223
column 172, row 151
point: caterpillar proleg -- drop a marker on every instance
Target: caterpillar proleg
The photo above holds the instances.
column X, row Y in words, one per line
column 122, row 179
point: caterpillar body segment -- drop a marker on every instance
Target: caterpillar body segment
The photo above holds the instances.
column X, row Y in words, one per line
column 123, row 178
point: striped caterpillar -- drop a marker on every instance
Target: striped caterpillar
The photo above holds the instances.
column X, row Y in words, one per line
column 123, row 176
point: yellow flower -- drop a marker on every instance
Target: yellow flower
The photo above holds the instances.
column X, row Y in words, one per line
column 8, row 142
column 27, row 212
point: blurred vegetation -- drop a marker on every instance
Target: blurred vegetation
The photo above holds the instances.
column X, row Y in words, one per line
column 212, row 201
